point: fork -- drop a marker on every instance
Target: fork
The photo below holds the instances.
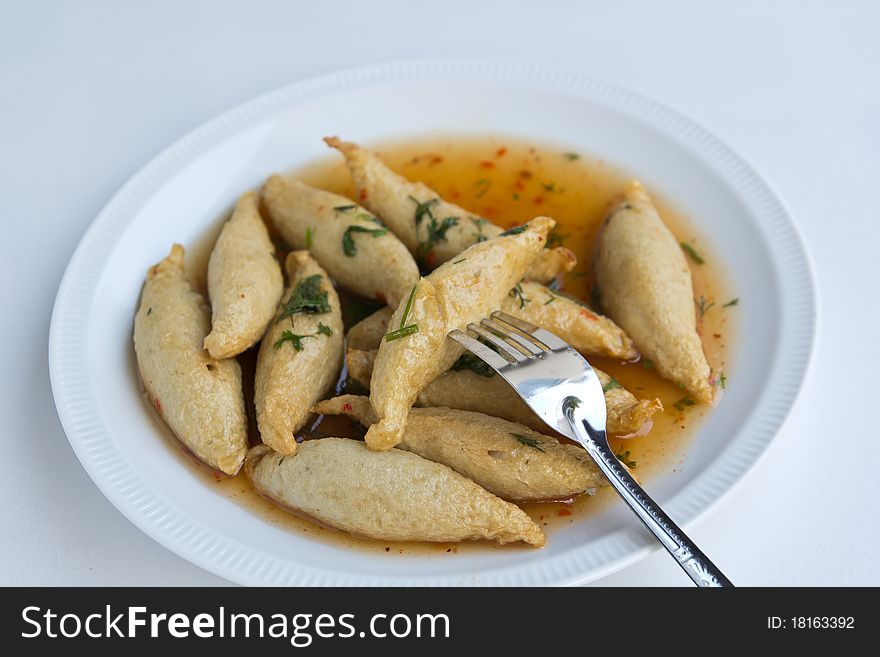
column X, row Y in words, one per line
column 562, row 389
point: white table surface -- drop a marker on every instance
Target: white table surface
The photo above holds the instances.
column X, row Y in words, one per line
column 92, row 90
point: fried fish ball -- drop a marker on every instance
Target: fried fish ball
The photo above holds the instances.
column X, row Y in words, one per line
column 507, row 459
column 348, row 241
column 587, row 331
column 625, row 415
column 433, row 229
column 551, row 262
column 198, row 396
column 244, row 282
column 459, row 292
column 301, row 353
column 393, row 495
column 646, row 287
column 472, row 385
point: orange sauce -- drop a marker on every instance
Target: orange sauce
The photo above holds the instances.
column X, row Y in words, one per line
column 509, row 182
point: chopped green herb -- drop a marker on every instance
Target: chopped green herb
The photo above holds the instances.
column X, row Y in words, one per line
column 550, row 187
column 307, row 297
column 468, row 361
column 436, row 233
column 423, row 209
column 516, row 230
column 571, row 157
column 293, row 338
column 730, row 303
column 402, row 332
column 611, row 385
column 408, row 307
column 297, row 340
column 149, row 310
column 479, row 222
column 403, row 329
column 692, row 252
column 344, row 208
column 530, row 442
column 684, row 401
column 647, row 363
column 721, row 381
column 515, row 196
column 483, row 184
column 348, row 245
column 455, row 262
column 703, row 306
column 308, row 237
column 624, row 457
column 517, row 293
column 550, row 300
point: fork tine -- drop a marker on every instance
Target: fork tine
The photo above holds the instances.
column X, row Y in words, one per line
column 478, row 349
column 523, row 340
column 532, row 332
column 507, row 350
column 516, row 322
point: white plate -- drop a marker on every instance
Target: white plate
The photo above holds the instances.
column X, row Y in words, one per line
column 186, row 188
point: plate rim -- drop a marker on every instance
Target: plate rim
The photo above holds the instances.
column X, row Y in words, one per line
column 81, row 418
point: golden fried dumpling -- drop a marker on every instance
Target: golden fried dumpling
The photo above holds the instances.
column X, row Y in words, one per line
column 301, row 354
column 198, row 396
column 585, row 330
column 244, row 282
column 646, row 287
column 358, row 252
column 417, row 350
column 433, row 229
column 507, row 459
column 588, row 332
column 392, row 495
column 471, row 385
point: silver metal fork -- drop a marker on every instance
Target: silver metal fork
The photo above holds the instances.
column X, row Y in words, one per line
column 561, row 387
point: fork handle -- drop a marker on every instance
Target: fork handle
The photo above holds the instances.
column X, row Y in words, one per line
column 692, row 560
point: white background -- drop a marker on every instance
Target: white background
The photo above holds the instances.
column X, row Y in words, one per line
column 92, row 90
